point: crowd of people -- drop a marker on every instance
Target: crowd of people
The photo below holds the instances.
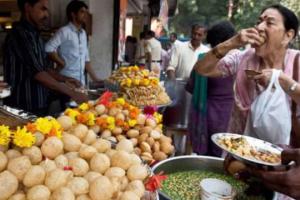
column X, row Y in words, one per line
column 223, row 96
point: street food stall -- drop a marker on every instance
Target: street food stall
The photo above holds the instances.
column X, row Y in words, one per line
column 109, row 144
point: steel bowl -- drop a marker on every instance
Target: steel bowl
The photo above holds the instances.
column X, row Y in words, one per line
column 187, row 163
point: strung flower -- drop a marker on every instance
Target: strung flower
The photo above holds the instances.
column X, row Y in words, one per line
column 125, row 126
column 158, row 117
column 31, row 127
column 110, row 120
column 105, row 98
column 155, row 182
column 4, row 135
column 43, row 125
column 134, row 112
column 111, row 123
column 135, row 68
column 132, row 122
column 72, row 113
column 136, row 82
column 154, row 81
column 145, row 82
column 56, row 129
column 145, row 73
column 91, row 119
column 23, row 138
column 111, row 104
column 119, row 122
column 121, row 101
column 128, row 82
column 82, row 118
column 100, row 121
column 150, row 110
column 84, row 107
column 160, row 126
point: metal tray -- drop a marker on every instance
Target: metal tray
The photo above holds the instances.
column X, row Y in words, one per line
column 14, row 117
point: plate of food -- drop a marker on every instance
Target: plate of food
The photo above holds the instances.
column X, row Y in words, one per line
column 248, row 149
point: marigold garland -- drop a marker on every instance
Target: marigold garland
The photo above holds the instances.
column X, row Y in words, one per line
column 5, row 134
column 23, row 138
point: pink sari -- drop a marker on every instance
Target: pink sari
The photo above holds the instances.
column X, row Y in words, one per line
column 234, row 63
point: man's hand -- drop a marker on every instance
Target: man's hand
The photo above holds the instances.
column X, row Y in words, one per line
column 286, row 182
column 72, row 83
column 79, row 97
column 171, row 74
column 3, row 85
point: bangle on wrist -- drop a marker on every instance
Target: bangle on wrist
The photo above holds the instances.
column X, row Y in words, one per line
column 216, row 52
column 293, row 87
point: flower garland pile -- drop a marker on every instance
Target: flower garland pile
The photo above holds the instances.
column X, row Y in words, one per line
column 24, row 136
column 134, row 76
column 86, row 113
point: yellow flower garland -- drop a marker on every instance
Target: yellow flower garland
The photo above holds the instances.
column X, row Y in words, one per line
column 23, row 138
column 4, row 135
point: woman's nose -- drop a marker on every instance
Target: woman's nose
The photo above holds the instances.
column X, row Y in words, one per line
column 260, row 26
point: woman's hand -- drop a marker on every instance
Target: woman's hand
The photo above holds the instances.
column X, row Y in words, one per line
column 264, row 78
column 250, row 36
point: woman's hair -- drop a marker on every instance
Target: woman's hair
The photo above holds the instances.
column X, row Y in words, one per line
column 220, row 32
column 73, row 7
column 21, row 3
column 290, row 20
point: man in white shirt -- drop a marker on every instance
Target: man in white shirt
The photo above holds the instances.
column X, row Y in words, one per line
column 184, row 58
column 153, row 52
column 68, row 48
column 175, row 43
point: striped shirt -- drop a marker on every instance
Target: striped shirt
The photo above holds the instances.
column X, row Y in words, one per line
column 24, row 57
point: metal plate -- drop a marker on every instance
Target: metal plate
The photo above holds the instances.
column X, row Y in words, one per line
column 257, row 144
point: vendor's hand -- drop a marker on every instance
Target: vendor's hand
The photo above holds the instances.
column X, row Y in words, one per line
column 264, row 78
column 235, row 168
column 286, row 182
column 2, row 85
column 79, row 97
column 250, row 36
column 72, row 83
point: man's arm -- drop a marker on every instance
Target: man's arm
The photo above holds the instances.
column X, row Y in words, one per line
column 173, row 64
column 61, row 78
column 48, row 81
column 55, row 58
column 52, row 46
column 91, row 72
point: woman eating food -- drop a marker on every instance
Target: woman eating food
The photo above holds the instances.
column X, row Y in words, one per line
column 269, row 65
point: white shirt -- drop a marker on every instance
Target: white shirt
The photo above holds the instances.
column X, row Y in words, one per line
column 184, row 58
column 153, row 46
column 71, row 45
column 176, row 44
column 140, row 52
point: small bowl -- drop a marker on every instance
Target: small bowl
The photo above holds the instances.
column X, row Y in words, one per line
column 216, row 189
